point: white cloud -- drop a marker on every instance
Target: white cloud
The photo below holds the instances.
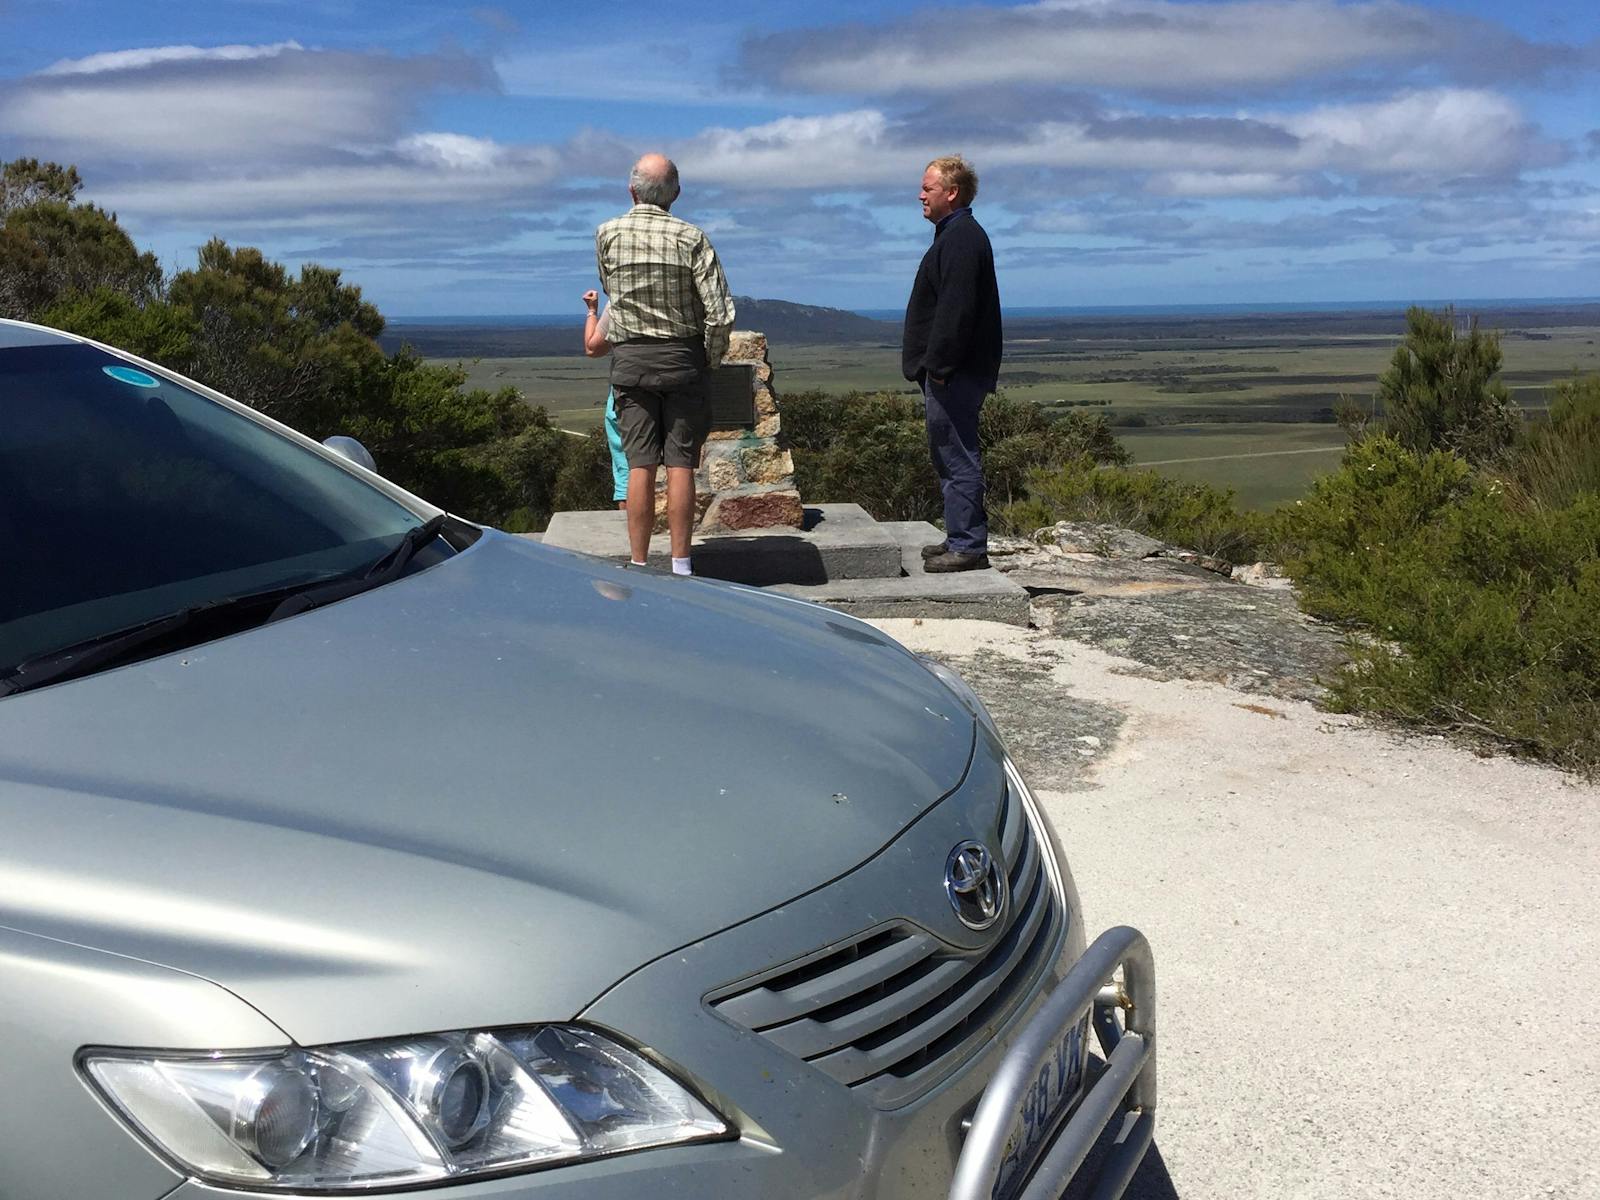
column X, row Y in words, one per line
column 1228, row 183
column 281, row 104
column 260, row 136
column 1079, row 145
column 1442, row 134
column 288, row 147
column 1157, row 46
column 377, row 189
column 131, row 60
column 455, row 151
column 836, row 151
column 1445, row 131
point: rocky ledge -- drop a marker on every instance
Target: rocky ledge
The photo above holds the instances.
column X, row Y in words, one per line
column 1178, row 613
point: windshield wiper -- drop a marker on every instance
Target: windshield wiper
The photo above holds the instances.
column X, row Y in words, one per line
column 86, row 656
column 107, row 649
column 213, row 618
column 381, row 572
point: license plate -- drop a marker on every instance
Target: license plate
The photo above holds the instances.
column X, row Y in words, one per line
column 1052, row 1092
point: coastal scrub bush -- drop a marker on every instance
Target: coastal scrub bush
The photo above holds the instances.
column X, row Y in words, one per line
column 872, row 449
column 864, row 448
column 1476, row 611
column 584, row 480
column 1440, row 390
column 157, row 331
column 52, row 247
column 1559, row 460
column 1018, row 438
column 1194, row 515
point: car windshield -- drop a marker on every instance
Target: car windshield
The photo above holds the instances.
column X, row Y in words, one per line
column 125, row 498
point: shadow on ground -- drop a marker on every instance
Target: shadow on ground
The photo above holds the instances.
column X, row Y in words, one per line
column 1150, row 1182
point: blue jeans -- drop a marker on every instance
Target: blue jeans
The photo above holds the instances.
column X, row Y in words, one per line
column 952, row 411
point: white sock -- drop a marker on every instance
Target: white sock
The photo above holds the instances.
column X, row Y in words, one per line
column 634, row 562
column 680, row 566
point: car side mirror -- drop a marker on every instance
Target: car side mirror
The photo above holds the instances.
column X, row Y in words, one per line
column 348, row 447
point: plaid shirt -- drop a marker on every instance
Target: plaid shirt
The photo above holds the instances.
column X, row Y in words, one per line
column 664, row 280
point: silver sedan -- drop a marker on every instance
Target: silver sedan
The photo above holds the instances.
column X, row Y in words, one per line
column 350, row 847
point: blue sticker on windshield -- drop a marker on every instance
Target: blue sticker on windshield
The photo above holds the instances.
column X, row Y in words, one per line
column 129, row 375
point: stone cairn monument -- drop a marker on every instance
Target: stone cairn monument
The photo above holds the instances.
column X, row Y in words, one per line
column 745, row 480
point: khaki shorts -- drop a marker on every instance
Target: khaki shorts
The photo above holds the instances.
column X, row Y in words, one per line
column 663, row 401
column 663, row 426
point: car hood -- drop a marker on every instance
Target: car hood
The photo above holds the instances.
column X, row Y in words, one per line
column 478, row 795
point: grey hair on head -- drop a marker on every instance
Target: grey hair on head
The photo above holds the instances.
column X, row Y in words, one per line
column 659, row 187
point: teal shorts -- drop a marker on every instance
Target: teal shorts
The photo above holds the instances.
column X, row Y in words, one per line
column 619, row 460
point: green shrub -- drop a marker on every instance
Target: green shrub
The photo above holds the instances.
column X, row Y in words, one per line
column 872, row 449
column 862, row 448
column 1441, row 392
column 1559, row 460
column 1340, row 538
column 583, row 481
column 1194, row 515
column 153, row 330
column 1480, row 613
column 1018, row 438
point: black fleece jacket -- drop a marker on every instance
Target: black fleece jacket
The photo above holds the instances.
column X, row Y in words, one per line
column 953, row 316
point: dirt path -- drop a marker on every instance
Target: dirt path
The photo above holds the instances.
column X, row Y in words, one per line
column 1167, row 462
column 1378, row 957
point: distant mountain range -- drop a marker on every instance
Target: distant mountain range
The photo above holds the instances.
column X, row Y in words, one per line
column 809, row 324
column 783, row 323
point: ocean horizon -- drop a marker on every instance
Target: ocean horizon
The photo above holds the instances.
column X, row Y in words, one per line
column 1026, row 312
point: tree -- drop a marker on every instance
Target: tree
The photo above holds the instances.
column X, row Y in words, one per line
column 27, row 181
column 1441, row 390
column 157, row 331
column 298, row 349
column 52, row 247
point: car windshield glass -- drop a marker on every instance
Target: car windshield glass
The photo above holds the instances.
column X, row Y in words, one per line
column 125, row 497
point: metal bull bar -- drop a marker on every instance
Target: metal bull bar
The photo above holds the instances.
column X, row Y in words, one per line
column 1128, row 1082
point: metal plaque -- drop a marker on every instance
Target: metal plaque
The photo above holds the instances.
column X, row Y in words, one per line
column 733, row 396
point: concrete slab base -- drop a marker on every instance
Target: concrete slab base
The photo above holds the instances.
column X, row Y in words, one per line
column 838, row 542
column 983, row 595
column 843, row 559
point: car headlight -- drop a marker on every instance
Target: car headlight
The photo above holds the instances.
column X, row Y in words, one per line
column 401, row 1112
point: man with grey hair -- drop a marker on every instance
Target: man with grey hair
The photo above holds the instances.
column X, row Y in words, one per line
column 670, row 320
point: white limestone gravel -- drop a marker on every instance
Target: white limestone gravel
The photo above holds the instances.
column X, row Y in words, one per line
column 1377, row 955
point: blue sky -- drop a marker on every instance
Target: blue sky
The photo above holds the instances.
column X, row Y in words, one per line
column 454, row 158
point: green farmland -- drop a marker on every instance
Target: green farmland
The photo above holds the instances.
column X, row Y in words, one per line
column 1265, row 464
column 571, row 389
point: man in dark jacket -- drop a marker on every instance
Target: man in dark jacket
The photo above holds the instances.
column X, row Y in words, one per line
column 952, row 349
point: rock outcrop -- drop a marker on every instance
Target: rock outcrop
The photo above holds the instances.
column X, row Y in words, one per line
column 1179, row 613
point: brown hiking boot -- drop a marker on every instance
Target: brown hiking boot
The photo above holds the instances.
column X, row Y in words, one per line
column 954, row 560
column 934, row 549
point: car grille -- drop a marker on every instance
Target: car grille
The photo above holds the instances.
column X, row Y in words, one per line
column 896, row 1009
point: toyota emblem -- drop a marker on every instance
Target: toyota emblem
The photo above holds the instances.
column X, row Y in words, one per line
column 975, row 884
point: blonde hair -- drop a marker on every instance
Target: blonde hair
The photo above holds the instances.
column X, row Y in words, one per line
column 958, row 173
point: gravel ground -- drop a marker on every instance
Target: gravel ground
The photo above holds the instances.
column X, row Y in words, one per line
column 1377, row 955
